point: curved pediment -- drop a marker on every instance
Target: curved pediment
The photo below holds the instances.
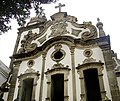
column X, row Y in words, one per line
column 61, row 25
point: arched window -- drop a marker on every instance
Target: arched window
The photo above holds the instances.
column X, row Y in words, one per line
column 27, row 86
column 57, row 84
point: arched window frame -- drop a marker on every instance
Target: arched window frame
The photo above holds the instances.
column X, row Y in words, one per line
column 22, row 77
column 54, row 71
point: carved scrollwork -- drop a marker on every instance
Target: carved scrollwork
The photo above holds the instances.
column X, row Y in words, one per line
column 30, row 47
column 26, row 45
column 91, row 34
column 59, row 29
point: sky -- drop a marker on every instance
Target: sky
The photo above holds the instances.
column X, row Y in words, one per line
column 84, row 10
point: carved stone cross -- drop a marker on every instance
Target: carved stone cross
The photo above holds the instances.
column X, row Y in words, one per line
column 59, row 6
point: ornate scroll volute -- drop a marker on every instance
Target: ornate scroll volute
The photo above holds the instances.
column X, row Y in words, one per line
column 59, row 25
column 26, row 45
column 91, row 34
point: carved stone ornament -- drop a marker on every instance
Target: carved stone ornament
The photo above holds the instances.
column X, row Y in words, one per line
column 26, row 45
column 91, row 34
column 30, row 63
column 88, row 53
column 58, row 54
column 59, row 29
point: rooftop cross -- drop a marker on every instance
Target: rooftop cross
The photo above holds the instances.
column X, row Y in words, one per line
column 59, row 6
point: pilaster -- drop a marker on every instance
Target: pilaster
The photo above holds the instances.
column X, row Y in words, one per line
column 104, row 44
column 72, row 50
column 115, row 93
column 13, row 80
column 42, row 76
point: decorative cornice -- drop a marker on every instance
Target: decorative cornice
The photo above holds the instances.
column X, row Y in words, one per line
column 28, row 75
column 90, row 64
column 103, row 43
column 57, row 69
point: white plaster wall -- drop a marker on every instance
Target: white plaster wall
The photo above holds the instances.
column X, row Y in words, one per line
column 5, row 96
column 70, row 90
column 23, row 66
column 66, row 61
column 2, row 79
column 118, row 80
column 98, row 55
column 79, row 58
column 44, row 89
column 78, row 88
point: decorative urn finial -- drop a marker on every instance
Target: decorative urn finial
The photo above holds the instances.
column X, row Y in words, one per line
column 100, row 28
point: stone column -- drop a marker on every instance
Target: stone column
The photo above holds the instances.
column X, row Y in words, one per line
column 82, row 85
column 34, row 86
column 42, row 75
column 15, row 49
column 111, row 74
column 72, row 49
column 66, row 97
column 13, row 80
column 48, row 87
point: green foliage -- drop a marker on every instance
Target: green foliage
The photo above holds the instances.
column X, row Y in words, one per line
column 19, row 10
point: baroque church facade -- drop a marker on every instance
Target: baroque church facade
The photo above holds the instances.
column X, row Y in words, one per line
column 61, row 60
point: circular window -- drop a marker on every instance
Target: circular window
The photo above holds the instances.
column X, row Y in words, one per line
column 88, row 52
column 58, row 55
column 30, row 63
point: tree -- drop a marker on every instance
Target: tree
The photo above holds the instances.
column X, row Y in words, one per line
column 19, row 10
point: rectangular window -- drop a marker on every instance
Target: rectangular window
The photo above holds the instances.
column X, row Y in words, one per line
column 92, row 86
column 57, row 87
column 27, row 87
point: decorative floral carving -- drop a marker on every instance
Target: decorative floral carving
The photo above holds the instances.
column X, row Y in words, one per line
column 59, row 29
column 26, row 45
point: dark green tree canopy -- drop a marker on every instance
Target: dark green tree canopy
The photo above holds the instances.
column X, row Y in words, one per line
column 19, row 10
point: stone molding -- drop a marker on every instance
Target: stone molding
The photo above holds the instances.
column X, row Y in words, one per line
column 60, row 70
column 35, row 76
column 92, row 65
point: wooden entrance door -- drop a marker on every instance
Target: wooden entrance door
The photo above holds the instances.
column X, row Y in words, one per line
column 57, row 87
column 92, row 87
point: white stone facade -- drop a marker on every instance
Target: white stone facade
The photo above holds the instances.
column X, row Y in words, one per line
column 60, row 46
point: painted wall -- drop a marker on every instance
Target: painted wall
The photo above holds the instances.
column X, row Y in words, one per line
column 79, row 58
column 118, row 79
